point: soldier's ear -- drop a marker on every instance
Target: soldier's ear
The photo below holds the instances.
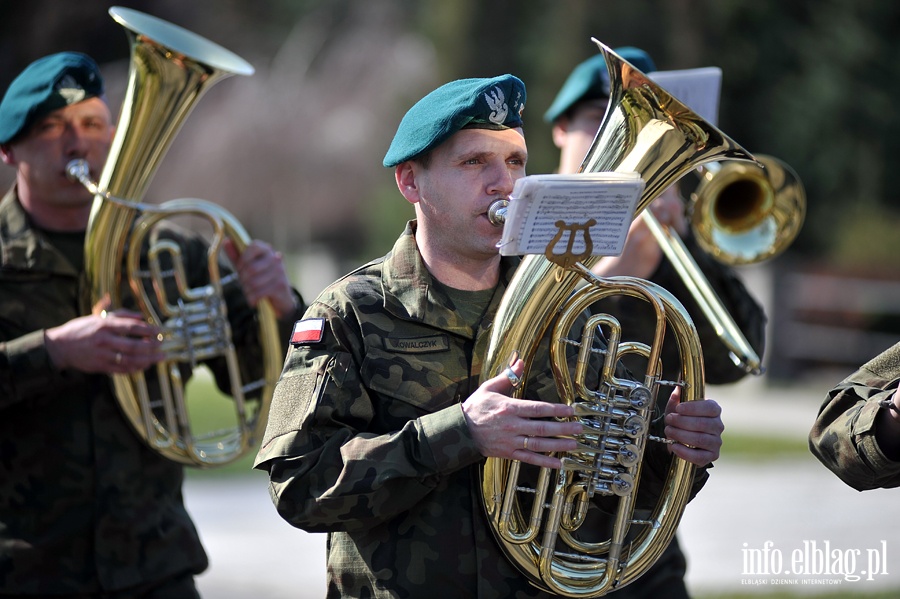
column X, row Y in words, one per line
column 405, row 175
column 6, row 153
column 560, row 131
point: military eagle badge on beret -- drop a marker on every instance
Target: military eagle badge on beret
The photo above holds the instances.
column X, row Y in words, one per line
column 497, row 103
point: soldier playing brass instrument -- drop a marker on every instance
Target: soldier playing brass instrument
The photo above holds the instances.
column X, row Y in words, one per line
column 380, row 421
column 575, row 116
column 87, row 509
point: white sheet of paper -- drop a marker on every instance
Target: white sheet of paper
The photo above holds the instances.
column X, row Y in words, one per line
column 698, row 89
column 544, row 206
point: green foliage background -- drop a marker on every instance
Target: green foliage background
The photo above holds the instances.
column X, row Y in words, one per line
column 811, row 82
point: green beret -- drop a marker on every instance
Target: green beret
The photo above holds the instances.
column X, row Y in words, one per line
column 495, row 103
column 590, row 80
column 45, row 85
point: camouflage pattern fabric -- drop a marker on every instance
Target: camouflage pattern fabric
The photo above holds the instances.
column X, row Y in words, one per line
column 367, row 440
column 85, row 506
column 843, row 435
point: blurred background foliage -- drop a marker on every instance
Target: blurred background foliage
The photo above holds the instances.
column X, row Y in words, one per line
column 295, row 151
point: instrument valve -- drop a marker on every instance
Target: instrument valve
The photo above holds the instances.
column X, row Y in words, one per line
column 634, row 426
column 629, row 455
column 640, row 397
column 621, row 485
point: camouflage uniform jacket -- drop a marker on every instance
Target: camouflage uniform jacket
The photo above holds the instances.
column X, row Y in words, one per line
column 85, row 506
column 843, row 435
column 367, row 440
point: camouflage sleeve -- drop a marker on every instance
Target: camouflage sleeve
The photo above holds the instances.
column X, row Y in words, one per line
column 843, row 435
column 748, row 315
column 329, row 466
column 26, row 370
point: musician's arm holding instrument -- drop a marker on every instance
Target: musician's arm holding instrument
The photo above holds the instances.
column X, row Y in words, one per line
column 127, row 343
column 341, row 426
column 353, row 441
column 499, row 424
column 695, row 429
column 511, row 428
column 857, row 431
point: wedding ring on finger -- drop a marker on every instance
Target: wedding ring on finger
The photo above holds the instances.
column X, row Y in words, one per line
column 118, row 358
column 525, row 443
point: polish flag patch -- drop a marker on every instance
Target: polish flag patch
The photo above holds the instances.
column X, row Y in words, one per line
column 308, row 330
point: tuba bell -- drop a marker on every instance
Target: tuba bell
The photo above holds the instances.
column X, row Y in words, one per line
column 542, row 517
column 170, row 69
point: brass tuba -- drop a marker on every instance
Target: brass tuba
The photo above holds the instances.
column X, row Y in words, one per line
column 542, row 518
column 170, row 70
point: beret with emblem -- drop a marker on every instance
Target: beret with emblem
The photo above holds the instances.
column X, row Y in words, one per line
column 590, row 80
column 46, row 85
column 490, row 103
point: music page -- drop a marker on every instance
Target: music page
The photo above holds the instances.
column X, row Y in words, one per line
column 584, row 213
column 698, row 89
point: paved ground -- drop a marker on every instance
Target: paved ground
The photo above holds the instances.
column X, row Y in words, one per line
column 749, row 530
column 254, row 554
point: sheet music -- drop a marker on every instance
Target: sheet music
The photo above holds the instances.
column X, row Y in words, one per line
column 594, row 206
column 698, row 89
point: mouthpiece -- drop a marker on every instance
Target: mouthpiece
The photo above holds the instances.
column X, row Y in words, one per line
column 78, row 170
column 497, row 212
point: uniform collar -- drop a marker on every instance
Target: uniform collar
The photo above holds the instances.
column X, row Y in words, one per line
column 410, row 292
column 21, row 245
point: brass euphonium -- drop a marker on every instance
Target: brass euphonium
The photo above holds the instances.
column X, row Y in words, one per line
column 541, row 517
column 171, row 68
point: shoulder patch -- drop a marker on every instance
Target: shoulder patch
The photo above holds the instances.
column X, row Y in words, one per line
column 308, row 331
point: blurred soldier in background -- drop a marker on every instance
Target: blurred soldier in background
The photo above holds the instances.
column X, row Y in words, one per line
column 86, row 508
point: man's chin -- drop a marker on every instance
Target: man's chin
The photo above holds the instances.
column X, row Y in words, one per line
column 493, row 242
column 75, row 198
